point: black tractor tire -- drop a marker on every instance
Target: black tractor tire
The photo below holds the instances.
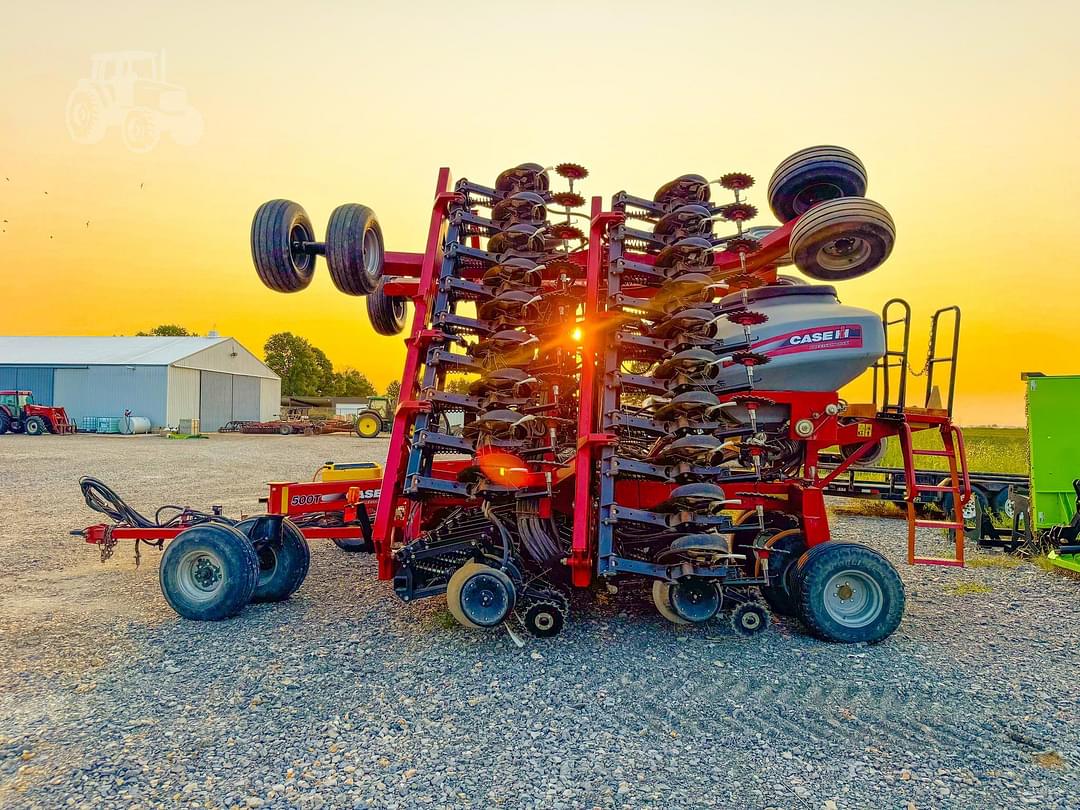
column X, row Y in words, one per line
column 277, row 224
column 812, row 176
column 36, row 426
column 783, row 596
column 354, row 249
column 371, row 425
column 842, row 239
column 5, row 423
column 209, row 572
column 849, row 593
column 282, row 568
column 387, row 313
column 352, row 546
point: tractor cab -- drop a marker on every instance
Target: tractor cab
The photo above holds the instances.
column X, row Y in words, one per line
column 13, row 402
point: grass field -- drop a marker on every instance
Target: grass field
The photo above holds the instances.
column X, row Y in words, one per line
column 999, row 450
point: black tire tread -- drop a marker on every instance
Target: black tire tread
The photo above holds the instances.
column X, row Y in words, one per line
column 345, row 236
column 270, row 252
column 229, row 542
column 386, row 313
column 817, row 564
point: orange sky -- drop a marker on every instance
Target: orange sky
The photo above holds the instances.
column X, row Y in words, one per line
column 965, row 115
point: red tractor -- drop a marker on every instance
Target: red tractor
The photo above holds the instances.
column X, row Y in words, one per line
column 19, row 413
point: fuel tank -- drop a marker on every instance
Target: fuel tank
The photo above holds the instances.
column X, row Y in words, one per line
column 814, row 343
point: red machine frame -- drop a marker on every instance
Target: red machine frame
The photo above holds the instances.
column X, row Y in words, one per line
column 414, row 275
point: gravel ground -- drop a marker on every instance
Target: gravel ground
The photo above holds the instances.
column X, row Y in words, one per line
column 344, row 697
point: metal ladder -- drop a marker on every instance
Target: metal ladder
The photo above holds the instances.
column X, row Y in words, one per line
column 959, row 486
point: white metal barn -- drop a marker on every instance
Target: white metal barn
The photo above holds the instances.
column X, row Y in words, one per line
column 165, row 379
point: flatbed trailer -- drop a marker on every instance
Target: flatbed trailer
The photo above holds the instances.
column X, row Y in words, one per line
column 890, row 484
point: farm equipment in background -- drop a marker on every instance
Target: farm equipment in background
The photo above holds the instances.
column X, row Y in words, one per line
column 375, row 418
column 19, row 413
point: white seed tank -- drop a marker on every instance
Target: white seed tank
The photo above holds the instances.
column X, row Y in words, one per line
column 814, row 343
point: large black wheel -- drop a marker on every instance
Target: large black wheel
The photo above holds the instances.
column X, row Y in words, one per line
column 849, row 593
column 354, row 249
column 5, row 423
column 782, row 594
column 812, row 176
column 36, row 426
column 970, row 510
column 277, row 225
column 282, row 566
column 480, row 596
column 387, row 313
column 209, row 572
column 842, row 239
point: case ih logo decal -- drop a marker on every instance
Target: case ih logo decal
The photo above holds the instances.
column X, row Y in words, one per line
column 840, row 336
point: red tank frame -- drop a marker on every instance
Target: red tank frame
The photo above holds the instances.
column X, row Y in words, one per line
column 414, row 277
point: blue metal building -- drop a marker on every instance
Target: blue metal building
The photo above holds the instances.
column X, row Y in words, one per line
column 165, row 379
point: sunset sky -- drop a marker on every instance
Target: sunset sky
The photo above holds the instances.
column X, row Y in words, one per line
column 966, row 115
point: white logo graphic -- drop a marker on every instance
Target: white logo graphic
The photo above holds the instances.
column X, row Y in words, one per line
column 128, row 90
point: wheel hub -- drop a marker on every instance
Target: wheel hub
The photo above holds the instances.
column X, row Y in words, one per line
column 812, row 195
column 853, row 598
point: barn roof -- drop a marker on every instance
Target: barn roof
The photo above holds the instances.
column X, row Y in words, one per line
column 117, row 351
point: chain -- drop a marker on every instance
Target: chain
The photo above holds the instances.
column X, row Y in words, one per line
column 929, row 353
column 108, row 543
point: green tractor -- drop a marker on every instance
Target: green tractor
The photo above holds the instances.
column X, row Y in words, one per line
column 374, row 419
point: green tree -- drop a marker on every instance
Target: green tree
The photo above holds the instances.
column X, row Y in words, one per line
column 353, row 383
column 293, row 359
column 326, row 382
column 167, row 330
column 393, row 393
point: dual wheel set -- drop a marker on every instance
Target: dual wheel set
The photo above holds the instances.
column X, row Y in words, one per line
column 213, row 570
column 842, row 592
column 284, row 248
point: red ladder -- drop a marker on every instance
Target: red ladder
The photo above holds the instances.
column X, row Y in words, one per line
column 959, row 486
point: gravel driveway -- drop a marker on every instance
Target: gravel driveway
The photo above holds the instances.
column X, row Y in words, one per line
column 345, row 697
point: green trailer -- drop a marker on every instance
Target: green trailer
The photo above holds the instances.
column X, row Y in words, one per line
column 1054, row 441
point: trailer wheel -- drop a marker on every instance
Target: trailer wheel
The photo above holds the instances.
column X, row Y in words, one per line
column 276, row 226
column 480, row 596
column 354, row 249
column 386, row 312
column 970, row 510
column 368, row 424
column 812, row 176
column 36, row 426
column 849, row 593
column 783, row 596
column 842, row 239
column 209, row 572
column 282, row 569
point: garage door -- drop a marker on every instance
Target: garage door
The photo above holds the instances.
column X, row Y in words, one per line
column 215, row 399
column 245, row 398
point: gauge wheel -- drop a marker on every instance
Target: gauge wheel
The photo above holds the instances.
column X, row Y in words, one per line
column 480, row 596
column 275, row 231
column 661, row 596
column 354, row 249
column 782, row 594
column 842, row 239
column 387, row 313
column 813, row 176
column 368, row 424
